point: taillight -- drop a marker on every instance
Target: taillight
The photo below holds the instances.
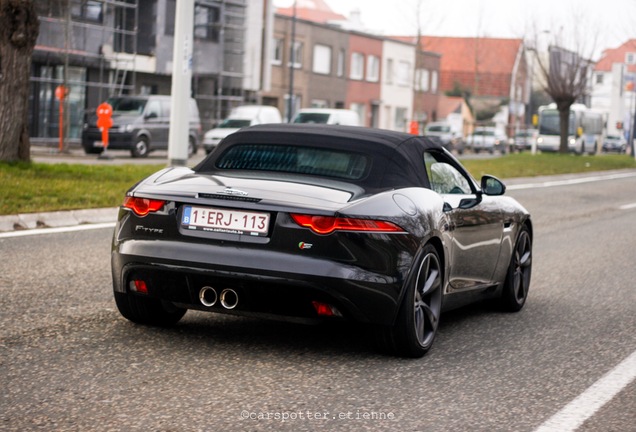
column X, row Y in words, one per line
column 328, row 224
column 143, row 206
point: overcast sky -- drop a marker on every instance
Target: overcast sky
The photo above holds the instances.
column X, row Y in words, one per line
column 576, row 21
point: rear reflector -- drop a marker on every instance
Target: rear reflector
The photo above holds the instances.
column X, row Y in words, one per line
column 328, row 224
column 139, row 286
column 324, row 309
column 143, row 206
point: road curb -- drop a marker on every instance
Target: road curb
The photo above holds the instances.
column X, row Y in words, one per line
column 57, row 219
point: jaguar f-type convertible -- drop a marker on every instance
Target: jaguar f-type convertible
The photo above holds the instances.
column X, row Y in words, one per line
column 316, row 222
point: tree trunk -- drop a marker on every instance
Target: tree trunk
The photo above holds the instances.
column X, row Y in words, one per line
column 564, row 123
column 19, row 28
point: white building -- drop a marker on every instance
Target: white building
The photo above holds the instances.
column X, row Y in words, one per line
column 396, row 91
column 614, row 87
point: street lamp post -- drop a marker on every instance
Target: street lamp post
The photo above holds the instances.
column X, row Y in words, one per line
column 292, row 60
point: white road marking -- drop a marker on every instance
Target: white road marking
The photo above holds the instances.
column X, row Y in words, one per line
column 571, row 181
column 628, row 206
column 38, row 231
column 591, row 400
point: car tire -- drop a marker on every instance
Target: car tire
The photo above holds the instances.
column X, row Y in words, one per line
column 418, row 319
column 517, row 283
column 146, row 310
column 141, row 148
column 93, row 150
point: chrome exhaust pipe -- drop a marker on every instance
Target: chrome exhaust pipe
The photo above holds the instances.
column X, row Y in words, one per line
column 207, row 296
column 229, row 298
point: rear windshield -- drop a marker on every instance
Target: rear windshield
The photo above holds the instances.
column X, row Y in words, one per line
column 484, row 133
column 311, row 118
column 439, row 128
column 297, row 160
column 234, row 123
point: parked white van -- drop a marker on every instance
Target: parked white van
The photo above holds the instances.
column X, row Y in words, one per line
column 240, row 117
column 327, row 116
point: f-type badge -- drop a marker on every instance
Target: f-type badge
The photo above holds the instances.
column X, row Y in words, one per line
column 234, row 192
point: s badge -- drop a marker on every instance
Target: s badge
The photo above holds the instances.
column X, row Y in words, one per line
column 303, row 245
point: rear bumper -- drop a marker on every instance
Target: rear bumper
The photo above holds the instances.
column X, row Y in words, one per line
column 267, row 282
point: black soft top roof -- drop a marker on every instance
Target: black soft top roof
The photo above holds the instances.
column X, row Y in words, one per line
column 397, row 157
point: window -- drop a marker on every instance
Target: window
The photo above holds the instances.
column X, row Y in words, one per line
column 206, row 19
column 599, row 78
column 153, row 109
column 404, row 73
column 388, row 71
column 295, row 159
column 297, row 55
column 322, row 59
column 630, row 58
column 445, row 178
column 89, row 10
column 277, row 55
column 422, row 79
column 319, row 103
column 171, row 11
column 400, row 118
column 373, row 68
column 357, row 66
column 341, row 63
column 434, row 82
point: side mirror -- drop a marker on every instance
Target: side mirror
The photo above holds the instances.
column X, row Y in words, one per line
column 492, row 185
column 151, row 115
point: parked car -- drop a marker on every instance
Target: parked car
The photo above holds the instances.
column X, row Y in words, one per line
column 488, row 139
column 443, row 131
column 524, row 139
column 240, row 117
column 327, row 116
column 615, row 143
column 141, row 124
column 321, row 223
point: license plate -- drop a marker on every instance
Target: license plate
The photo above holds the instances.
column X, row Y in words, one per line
column 225, row 221
column 98, row 144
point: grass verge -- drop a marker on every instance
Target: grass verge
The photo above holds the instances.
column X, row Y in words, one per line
column 43, row 187
column 528, row 165
column 39, row 187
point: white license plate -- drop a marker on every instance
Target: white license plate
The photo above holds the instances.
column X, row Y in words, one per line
column 98, row 144
column 226, row 221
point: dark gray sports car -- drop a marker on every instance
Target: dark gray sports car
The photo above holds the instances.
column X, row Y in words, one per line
column 315, row 222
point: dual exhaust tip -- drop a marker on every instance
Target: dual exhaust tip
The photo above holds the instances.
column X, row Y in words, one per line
column 228, row 297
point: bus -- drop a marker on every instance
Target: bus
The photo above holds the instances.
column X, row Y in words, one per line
column 585, row 129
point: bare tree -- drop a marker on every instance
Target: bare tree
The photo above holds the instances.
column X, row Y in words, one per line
column 19, row 28
column 563, row 75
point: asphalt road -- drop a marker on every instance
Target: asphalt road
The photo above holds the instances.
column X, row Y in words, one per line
column 68, row 361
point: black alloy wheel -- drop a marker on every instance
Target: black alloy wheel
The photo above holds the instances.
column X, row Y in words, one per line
column 141, row 148
column 419, row 315
column 517, row 284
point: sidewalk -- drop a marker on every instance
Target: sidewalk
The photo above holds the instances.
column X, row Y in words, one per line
column 57, row 219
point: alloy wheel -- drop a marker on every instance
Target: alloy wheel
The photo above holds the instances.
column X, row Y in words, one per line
column 428, row 300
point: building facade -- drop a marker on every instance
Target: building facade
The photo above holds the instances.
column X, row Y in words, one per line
column 614, row 87
column 102, row 48
column 315, row 77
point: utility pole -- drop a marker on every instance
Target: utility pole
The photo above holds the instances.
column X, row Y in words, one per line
column 292, row 60
column 181, row 83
